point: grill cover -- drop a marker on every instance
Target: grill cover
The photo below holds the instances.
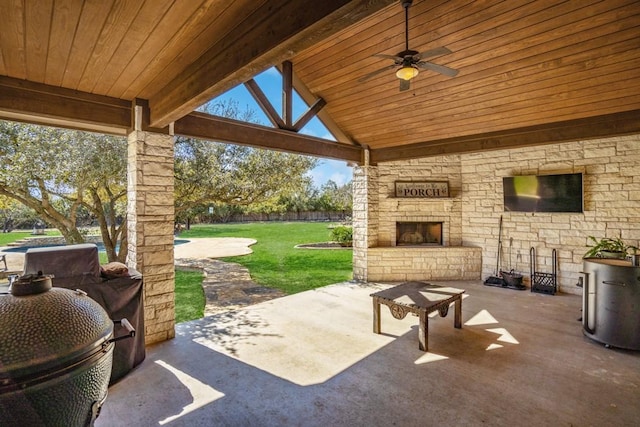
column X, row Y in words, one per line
column 64, row 261
column 78, row 267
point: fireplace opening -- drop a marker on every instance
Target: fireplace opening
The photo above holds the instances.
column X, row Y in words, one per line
column 418, row 233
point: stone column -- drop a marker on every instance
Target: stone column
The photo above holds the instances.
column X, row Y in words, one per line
column 365, row 218
column 150, row 217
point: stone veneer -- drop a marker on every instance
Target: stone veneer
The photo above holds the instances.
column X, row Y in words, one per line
column 405, row 263
column 150, row 216
column 611, row 169
column 365, row 217
column 381, row 259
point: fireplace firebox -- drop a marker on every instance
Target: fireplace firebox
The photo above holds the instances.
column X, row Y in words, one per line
column 418, row 233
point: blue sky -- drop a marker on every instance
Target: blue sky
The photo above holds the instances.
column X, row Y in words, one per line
column 270, row 82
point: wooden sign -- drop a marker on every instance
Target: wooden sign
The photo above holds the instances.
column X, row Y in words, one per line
column 422, row 190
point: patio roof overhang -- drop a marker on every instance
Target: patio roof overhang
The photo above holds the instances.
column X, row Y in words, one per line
column 530, row 73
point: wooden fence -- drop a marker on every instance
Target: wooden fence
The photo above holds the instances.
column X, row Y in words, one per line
column 288, row 216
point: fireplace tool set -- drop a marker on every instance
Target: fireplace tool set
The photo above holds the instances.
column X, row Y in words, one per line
column 541, row 282
column 496, row 280
column 544, row 283
column 504, row 279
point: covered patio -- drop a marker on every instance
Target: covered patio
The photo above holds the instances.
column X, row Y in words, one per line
column 543, row 87
column 311, row 359
column 539, row 88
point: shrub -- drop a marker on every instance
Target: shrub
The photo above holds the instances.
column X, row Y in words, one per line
column 343, row 235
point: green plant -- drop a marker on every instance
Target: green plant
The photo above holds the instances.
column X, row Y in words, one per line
column 343, row 235
column 607, row 245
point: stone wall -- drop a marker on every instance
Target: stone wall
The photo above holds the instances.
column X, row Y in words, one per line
column 447, row 210
column 150, row 217
column 611, row 169
column 365, row 217
column 401, row 264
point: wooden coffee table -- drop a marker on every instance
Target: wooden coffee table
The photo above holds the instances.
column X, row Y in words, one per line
column 419, row 298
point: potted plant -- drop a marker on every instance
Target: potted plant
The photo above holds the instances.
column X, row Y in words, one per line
column 608, row 247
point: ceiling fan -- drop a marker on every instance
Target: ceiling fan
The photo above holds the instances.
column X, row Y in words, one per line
column 410, row 61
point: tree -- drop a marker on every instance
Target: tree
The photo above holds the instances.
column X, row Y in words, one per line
column 8, row 208
column 16, row 215
column 335, row 198
column 62, row 173
column 209, row 173
column 301, row 200
column 67, row 176
column 342, row 197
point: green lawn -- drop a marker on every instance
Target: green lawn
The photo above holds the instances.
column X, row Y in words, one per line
column 275, row 261
column 190, row 300
column 6, row 238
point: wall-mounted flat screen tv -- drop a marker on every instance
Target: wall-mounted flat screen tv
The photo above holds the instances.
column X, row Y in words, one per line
column 543, row 193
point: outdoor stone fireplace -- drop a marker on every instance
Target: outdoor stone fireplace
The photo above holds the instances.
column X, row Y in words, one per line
column 418, row 233
column 421, row 248
column 399, row 237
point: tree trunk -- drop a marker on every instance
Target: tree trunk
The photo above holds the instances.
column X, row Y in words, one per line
column 110, row 232
column 124, row 243
column 71, row 236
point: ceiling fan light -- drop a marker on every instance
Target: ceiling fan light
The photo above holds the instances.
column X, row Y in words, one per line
column 407, row 72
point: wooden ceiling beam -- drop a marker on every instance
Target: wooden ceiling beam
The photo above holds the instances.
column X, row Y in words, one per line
column 274, row 33
column 322, row 114
column 287, row 94
column 38, row 103
column 213, row 128
column 309, row 114
column 552, row 133
column 263, row 102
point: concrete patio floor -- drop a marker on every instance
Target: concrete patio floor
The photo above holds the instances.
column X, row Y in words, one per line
column 311, row 359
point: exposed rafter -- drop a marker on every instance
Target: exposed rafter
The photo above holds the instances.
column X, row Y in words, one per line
column 205, row 126
column 264, row 103
column 323, row 115
column 284, row 121
column 551, row 133
column 311, row 112
column 31, row 102
column 530, row 73
column 277, row 30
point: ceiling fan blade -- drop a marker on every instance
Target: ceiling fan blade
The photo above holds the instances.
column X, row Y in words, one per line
column 393, row 57
column 375, row 73
column 432, row 52
column 404, row 85
column 438, row 68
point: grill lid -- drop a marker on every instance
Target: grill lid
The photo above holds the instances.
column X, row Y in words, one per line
column 43, row 329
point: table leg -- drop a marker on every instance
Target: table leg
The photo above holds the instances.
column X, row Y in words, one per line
column 423, row 330
column 458, row 313
column 376, row 315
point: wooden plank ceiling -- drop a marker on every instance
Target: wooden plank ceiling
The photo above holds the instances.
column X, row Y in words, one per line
column 530, row 72
column 521, row 65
